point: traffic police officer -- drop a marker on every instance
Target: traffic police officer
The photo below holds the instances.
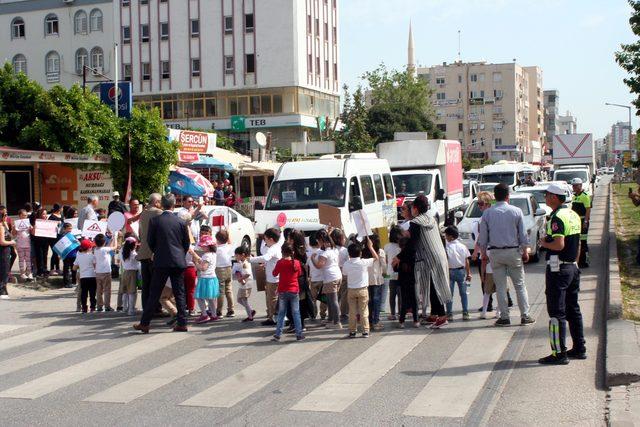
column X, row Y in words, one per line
column 582, row 206
column 562, row 243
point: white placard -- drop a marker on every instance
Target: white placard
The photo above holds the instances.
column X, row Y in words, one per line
column 46, row 228
column 361, row 221
column 92, row 228
column 116, row 221
column 22, row 224
column 74, row 226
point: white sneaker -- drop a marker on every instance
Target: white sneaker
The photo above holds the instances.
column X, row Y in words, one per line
column 4, row 297
column 30, row 276
column 23, row 276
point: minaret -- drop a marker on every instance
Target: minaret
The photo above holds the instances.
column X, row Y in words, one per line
column 411, row 57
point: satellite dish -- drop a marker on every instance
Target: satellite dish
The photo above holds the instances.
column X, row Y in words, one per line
column 261, row 139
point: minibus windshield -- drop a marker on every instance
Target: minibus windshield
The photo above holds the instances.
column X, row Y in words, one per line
column 306, row 193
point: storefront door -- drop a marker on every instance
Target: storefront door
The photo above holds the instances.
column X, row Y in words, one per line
column 16, row 188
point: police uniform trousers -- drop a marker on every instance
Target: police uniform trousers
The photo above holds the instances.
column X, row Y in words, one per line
column 583, row 260
column 562, row 289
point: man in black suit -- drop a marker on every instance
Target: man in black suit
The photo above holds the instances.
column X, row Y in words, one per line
column 168, row 238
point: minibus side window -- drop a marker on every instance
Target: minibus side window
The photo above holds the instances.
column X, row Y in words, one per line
column 388, row 185
column 355, row 201
column 377, row 180
column 368, row 194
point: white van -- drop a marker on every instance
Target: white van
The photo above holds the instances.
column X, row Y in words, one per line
column 346, row 181
column 505, row 172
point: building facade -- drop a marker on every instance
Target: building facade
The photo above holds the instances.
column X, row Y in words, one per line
column 551, row 112
column 495, row 110
column 567, row 124
column 239, row 66
column 620, row 137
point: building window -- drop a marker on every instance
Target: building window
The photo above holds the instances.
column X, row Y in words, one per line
column 126, row 3
column 497, row 126
column 473, row 77
column 497, row 142
column 497, row 93
column 317, row 27
column 126, row 35
column 17, row 28
column 440, row 95
column 317, row 65
column 51, row 25
column 335, row 34
column 19, row 63
column 308, row 24
column 144, row 31
column 52, row 66
column 310, row 63
column 195, row 67
column 195, row 28
column 459, row 78
column 460, row 128
column 228, row 64
column 228, row 24
column 248, row 22
column 497, row 77
column 95, row 17
column 251, row 63
column 144, row 1
column 146, row 71
column 165, row 69
column 164, row 31
column 81, row 60
column 97, row 59
column 439, row 80
column 126, row 72
column 442, row 127
column 80, row 22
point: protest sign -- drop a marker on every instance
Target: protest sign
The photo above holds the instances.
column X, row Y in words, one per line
column 46, row 228
column 92, row 228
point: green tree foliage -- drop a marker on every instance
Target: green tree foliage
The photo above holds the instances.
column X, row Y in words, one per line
column 629, row 56
column 152, row 153
column 353, row 137
column 399, row 103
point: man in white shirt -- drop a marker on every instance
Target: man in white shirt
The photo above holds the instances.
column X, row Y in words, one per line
column 357, row 271
column 88, row 212
column 273, row 240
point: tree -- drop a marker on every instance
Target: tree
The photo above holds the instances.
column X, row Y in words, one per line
column 399, row 103
column 353, row 137
column 152, row 154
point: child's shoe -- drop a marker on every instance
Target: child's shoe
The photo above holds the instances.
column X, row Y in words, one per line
column 214, row 318
column 204, row 318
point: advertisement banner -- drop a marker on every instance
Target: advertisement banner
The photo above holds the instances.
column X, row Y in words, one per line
column 193, row 142
column 124, row 97
column 454, row 167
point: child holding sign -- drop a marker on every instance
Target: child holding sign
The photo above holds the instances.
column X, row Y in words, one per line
column 22, row 233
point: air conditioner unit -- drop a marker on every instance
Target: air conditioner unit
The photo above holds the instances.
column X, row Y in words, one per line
column 96, row 71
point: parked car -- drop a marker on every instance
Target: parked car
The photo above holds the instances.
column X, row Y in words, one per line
column 539, row 189
column 534, row 222
column 240, row 228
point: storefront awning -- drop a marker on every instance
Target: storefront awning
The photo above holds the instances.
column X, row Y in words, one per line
column 10, row 154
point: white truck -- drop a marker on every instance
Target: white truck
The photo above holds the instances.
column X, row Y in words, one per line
column 432, row 167
column 574, row 157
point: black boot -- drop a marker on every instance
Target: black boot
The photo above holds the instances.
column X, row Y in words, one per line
column 509, row 299
column 557, row 359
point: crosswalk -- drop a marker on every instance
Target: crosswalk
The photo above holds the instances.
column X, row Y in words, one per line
column 449, row 392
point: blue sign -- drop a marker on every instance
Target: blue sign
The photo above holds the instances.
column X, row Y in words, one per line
column 124, row 96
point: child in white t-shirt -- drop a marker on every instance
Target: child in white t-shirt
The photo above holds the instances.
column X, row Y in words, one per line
column 241, row 273
column 356, row 270
column 102, row 252
column 130, row 266
column 85, row 263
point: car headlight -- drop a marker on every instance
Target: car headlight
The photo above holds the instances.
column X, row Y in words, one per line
column 465, row 235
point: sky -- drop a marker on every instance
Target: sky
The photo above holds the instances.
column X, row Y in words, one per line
column 573, row 41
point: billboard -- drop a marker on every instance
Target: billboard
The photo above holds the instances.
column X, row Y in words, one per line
column 124, row 97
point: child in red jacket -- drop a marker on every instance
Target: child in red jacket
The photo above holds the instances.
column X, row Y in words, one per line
column 287, row 270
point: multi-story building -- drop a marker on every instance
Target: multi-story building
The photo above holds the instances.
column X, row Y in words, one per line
column 551, row 105
column 240, row 66
column 620, row 137
column 495, row 110
column 567, row 124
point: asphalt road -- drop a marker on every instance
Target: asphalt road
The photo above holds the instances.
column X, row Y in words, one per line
column 61, row 368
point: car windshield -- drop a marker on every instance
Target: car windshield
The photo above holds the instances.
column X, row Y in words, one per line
column 522, row 204
column 412, row 184
column 306, row 193
column 538, row 194
column 567, row 176
column 502, row 177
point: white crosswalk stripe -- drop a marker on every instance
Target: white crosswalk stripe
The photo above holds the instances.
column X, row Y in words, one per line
column 158, row 377
column 30, row 337
column 81, row 371
column 453, row 389
column 351, row 382
column 9, row 328
column 255, row 377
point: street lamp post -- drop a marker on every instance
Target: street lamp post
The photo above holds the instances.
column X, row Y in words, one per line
column 628, row 107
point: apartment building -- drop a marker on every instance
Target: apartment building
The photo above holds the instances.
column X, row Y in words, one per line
column 551, row 112
column 567, row 123
column 495, row 110
column 239, row 66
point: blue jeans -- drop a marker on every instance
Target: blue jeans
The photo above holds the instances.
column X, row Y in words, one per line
column 457, row 275
column 375, row 298
column 289, row 300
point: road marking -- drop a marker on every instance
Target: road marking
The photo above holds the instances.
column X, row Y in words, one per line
column 153, row 379
column 81, row 371
column 351, row 382
column 29, row 337
column 454, row 387
column 253, row 378
column 9, row 328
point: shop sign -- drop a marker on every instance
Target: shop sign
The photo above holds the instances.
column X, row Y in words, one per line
column 95, row 182
column 188, row 157
column 8, row 154
column 193, row 142
column 123, row 96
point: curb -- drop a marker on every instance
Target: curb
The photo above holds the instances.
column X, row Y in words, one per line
column 622, row 362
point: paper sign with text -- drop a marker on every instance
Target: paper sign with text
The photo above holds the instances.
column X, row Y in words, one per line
column 46, row 228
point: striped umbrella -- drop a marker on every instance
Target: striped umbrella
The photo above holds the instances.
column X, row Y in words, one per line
column 187, row 182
